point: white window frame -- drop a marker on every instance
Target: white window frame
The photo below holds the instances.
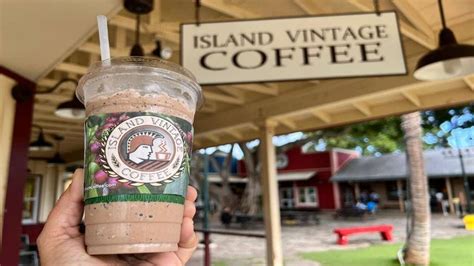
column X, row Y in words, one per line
column 290, row 200
column 307, row 196
column 35, row 199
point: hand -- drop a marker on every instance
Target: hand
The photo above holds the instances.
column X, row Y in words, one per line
column 61, row 243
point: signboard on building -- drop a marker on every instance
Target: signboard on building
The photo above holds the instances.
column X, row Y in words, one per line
column 334, row 46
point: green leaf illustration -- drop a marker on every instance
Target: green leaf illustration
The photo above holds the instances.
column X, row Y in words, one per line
column 92, row 193
column 143, row 189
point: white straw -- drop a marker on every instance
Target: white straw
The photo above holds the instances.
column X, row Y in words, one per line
column 103, row 37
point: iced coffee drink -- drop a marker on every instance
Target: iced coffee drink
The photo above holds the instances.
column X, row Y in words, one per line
column 137, row 156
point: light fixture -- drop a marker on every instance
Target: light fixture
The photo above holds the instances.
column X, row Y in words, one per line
column 449, row 60
column 72, row 109
column 138, row 7
column 57, row 159
column 40, row 144
column 162, row 52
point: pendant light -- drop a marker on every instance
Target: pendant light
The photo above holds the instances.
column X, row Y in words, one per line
column 161, row 51
column 72, row 109
column 449, row 60
column 40, row 144
column 57, row 159
column 138, row 7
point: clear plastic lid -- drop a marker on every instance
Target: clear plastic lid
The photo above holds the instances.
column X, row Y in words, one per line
column 144, row 66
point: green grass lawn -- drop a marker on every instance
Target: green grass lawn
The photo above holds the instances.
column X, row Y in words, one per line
column 444, row 252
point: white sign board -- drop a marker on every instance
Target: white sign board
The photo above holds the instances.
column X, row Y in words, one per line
column 335, row 46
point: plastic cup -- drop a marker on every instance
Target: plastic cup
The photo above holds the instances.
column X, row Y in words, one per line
column 138, row 141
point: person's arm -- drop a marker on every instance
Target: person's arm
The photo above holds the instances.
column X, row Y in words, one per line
column 61, row 242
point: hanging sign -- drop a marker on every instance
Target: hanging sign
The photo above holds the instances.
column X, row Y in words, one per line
column 335, row 46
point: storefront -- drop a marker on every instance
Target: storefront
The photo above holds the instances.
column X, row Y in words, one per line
column 387, row 176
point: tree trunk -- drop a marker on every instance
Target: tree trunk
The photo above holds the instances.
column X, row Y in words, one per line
column 250, row 201
column 418, row 243
column 227, row 197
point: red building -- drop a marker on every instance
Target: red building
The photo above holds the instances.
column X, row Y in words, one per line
column 304, row 178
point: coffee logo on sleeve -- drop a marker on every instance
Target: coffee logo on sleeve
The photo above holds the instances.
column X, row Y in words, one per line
column 145, row 149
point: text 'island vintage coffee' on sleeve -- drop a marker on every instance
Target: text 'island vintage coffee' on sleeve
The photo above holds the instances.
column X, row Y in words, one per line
column 138, row 141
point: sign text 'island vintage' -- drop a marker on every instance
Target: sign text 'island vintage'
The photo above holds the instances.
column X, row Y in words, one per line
column 336, row 46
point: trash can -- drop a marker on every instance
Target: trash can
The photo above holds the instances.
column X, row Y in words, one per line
column 469, row 222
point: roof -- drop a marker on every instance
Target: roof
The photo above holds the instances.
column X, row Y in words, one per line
column 231, row 113
column 438, row 164
column 288, row 176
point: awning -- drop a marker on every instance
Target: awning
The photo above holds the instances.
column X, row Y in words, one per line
column 296, row 176
column 214, row 178
column 292, row 176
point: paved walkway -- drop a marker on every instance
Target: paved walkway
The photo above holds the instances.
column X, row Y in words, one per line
column 236, row 250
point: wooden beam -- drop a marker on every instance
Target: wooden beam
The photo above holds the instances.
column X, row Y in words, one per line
column 288, row 123
column 170, row 26
column 170, row 36
column 128, row 23
column 232, row 10
column 363, row 108
column 120, row 38
column 271, row 203
column 94, row 48
column 312, row 7
column 440, row 95
column 218, row 97
column 415, row 18
column 235, row 133
column 412, row 98
column 301, row 101
column 73, row 68
column 53, row 97
column 155, row 15
column 76, row 133
column 59, row 125
column 262, row 89
column 209, row 107
column 234, row 92
column 469, row 81
column 47, row 83
column 405, row 29
column 212, row 138
column 51, row 117
column 323, row 116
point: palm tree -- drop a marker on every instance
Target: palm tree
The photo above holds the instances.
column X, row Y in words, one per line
column 418, row 242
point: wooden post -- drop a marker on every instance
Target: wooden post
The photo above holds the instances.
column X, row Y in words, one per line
column 401, row 200
column 449, row 190
column 17, row 173
column 271, row 204
column 356, row 191
column 7, row 117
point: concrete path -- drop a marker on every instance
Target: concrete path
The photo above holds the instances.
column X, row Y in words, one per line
column 238, row 251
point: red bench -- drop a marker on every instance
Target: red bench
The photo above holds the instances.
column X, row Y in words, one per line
column 385, row 231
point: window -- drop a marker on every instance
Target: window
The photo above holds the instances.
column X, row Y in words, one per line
column 31, row 199
column 307, row 196
column 286, row 198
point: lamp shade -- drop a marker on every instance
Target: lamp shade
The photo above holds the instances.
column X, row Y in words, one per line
column 40, row 144
column 72, row 109
column 57, row 159
column 449, row 60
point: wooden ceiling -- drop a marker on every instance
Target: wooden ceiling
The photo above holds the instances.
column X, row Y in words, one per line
column 232, row 112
